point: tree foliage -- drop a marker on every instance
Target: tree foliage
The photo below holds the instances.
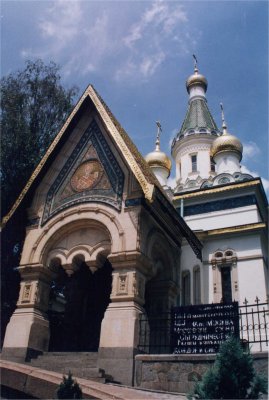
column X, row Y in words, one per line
column 232, row 376
column 34, row 105
column 69, row 389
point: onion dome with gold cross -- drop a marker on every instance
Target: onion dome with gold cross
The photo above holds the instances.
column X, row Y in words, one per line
column 196, row 79
column 198, row 119
column 158, row 161
column 226, row 142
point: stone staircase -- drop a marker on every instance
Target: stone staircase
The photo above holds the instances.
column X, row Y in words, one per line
column 80, row 364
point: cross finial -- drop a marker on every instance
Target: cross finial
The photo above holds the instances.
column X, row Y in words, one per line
column 195, row 63
column 224, row 126
column 159, row 131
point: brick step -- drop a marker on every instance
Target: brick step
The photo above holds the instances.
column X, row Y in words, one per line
column 80, row 364
column 63, row 362
column 78, row 372
column 61, row 365
column 90, row 354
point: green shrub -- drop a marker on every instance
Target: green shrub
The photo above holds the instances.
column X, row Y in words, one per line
column 232, row 376
column 69, row 389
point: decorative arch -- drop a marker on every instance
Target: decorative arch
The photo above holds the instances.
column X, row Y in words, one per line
column 75, row 219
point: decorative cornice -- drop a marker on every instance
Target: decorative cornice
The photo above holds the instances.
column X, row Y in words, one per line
column 231, row 229
column 192, row 143
column 243, row 258
column 214, row 190
column 194, row 148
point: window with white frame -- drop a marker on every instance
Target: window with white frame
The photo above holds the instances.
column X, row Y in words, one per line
column 225, row 276
column 193, row 162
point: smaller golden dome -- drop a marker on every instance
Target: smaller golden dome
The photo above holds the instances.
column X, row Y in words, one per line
column 226, row 142
column 158, row 158
column 196, row 79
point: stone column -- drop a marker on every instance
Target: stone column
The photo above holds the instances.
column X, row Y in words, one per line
column 120, row 327
column 27, row 332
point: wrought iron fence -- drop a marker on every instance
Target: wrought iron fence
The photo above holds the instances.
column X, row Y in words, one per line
column 156, row 331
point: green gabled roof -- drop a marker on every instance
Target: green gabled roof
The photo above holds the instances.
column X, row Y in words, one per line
column 198, row 116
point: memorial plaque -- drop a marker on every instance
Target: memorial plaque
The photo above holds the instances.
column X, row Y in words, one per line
column 200, row 329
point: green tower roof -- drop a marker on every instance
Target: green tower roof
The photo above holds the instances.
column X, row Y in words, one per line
column 198, row 117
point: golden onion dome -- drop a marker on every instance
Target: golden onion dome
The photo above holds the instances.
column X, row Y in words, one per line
column 158, row 158
column 226, row 142
column 196, row 79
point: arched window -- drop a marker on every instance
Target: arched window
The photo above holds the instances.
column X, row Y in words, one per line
column 196, row 285
column 193, row 162
column 225, row 277
column 186, row 288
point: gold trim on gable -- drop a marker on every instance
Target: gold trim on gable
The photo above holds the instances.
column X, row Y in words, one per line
column 147, row 187
column 217, row 190
column 44, row 159
column 137, row 164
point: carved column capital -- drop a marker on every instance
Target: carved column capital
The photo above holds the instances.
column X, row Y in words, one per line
column 36, row 271
column 131, row 260
column 128, row 286
column 35, row 286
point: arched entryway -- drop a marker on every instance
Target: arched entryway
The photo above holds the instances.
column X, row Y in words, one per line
column 77, row 305
column 81, row 286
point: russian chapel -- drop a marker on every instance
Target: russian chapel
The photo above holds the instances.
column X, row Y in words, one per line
column 107, row 240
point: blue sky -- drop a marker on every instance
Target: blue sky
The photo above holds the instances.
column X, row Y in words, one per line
column 138, row 55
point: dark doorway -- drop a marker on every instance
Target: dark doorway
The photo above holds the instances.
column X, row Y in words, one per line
column 226, row 284
column 77, row 307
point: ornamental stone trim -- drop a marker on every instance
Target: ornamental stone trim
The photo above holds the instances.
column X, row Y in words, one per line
column 194, row 148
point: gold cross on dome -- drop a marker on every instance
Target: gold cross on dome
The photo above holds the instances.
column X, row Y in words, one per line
column 195, row 62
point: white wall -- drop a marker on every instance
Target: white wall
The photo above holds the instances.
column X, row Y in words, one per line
column 250, row 266
column 218, row 219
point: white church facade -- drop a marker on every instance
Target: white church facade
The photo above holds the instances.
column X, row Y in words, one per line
column 226, row 208
column 108, row 241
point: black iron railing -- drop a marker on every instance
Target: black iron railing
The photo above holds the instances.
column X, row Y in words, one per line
column 253, row 325
column 157, row 331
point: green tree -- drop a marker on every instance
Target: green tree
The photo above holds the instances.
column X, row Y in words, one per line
column 69, row 389
column 232, row 376
column 34, row 105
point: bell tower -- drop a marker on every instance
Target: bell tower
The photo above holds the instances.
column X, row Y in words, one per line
column 191, row 146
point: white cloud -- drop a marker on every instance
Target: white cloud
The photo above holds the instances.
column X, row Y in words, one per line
column 162, row 17
column 86, row 37
column 250, row 150
column 172, row 136
column 149, row 64
column 151, row 38
column 62, row 21
column 255, row 174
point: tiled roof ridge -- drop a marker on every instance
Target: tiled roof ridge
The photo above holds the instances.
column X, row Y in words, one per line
column 136, row 153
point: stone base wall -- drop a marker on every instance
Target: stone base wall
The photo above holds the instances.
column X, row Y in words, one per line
column 178, row 373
